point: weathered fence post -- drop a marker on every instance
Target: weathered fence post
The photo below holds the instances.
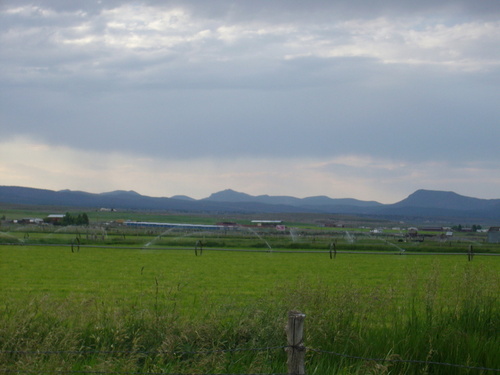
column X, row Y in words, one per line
column 295, row 338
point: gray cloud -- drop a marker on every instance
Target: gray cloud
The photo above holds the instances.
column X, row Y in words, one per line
column 414, row 117
column 242, row 9
column 408, row 80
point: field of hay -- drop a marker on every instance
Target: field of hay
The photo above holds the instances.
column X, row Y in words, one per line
column 140, row 301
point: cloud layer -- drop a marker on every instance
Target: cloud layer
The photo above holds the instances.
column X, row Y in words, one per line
column 246, row 86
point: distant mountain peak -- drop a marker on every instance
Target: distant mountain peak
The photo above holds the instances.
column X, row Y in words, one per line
column 443, row 200
column 422, row 203
column 182, row 197
column 229, row 195
column 433, row 192
column 122, row 192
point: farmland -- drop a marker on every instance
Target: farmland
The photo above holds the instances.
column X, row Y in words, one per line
column 135, row 300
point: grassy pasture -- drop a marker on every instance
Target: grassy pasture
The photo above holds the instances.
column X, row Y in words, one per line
column 104, row 301
column 130, row 273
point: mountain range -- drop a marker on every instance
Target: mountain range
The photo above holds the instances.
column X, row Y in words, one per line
column 420, row 204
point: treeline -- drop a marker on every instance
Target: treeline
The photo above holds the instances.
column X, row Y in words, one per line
column 69, row 219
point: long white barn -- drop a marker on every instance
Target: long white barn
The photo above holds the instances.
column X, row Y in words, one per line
column 174, row 225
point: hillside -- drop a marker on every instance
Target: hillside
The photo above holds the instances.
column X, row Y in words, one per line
column 422, row 203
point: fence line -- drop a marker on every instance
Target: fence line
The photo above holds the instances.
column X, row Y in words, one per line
column 394, row 360
column 137, row 352
column 205, row 352
column 123, row 373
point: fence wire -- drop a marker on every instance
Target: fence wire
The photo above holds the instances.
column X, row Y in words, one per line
column 139, row 352
column 207, row 352
column 397, row 360
column 128, row 373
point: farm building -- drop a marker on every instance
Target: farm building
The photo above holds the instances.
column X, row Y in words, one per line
column 494, row 235
column 412, row 232
column 35, row 220
column 148, row 224
column 266, row 223
column 54, row 218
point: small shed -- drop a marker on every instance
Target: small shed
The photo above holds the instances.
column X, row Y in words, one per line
column 494, row 235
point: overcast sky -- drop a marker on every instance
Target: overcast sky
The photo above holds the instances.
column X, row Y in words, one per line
column 361, row 99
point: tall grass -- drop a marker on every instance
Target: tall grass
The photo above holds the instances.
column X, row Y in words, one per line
column 420, row 317
column 422, row 321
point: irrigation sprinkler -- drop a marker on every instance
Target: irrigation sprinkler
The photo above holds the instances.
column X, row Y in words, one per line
column 333, row 250
column 470, row 253
column 198, row 245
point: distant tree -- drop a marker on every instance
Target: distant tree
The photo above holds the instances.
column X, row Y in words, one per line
column 67, row 219
column 80, row 219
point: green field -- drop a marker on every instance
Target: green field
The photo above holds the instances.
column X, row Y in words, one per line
column 140, row 301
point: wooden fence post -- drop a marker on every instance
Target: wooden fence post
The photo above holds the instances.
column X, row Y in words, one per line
column 295, row 338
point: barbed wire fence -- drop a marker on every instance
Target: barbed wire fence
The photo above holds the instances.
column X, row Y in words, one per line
column 147, row 353
column 295, row 348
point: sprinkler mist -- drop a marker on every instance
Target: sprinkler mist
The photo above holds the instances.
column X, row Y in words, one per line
column 259, row 236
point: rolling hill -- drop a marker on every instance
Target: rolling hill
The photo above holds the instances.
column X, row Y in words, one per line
column 422, row 203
